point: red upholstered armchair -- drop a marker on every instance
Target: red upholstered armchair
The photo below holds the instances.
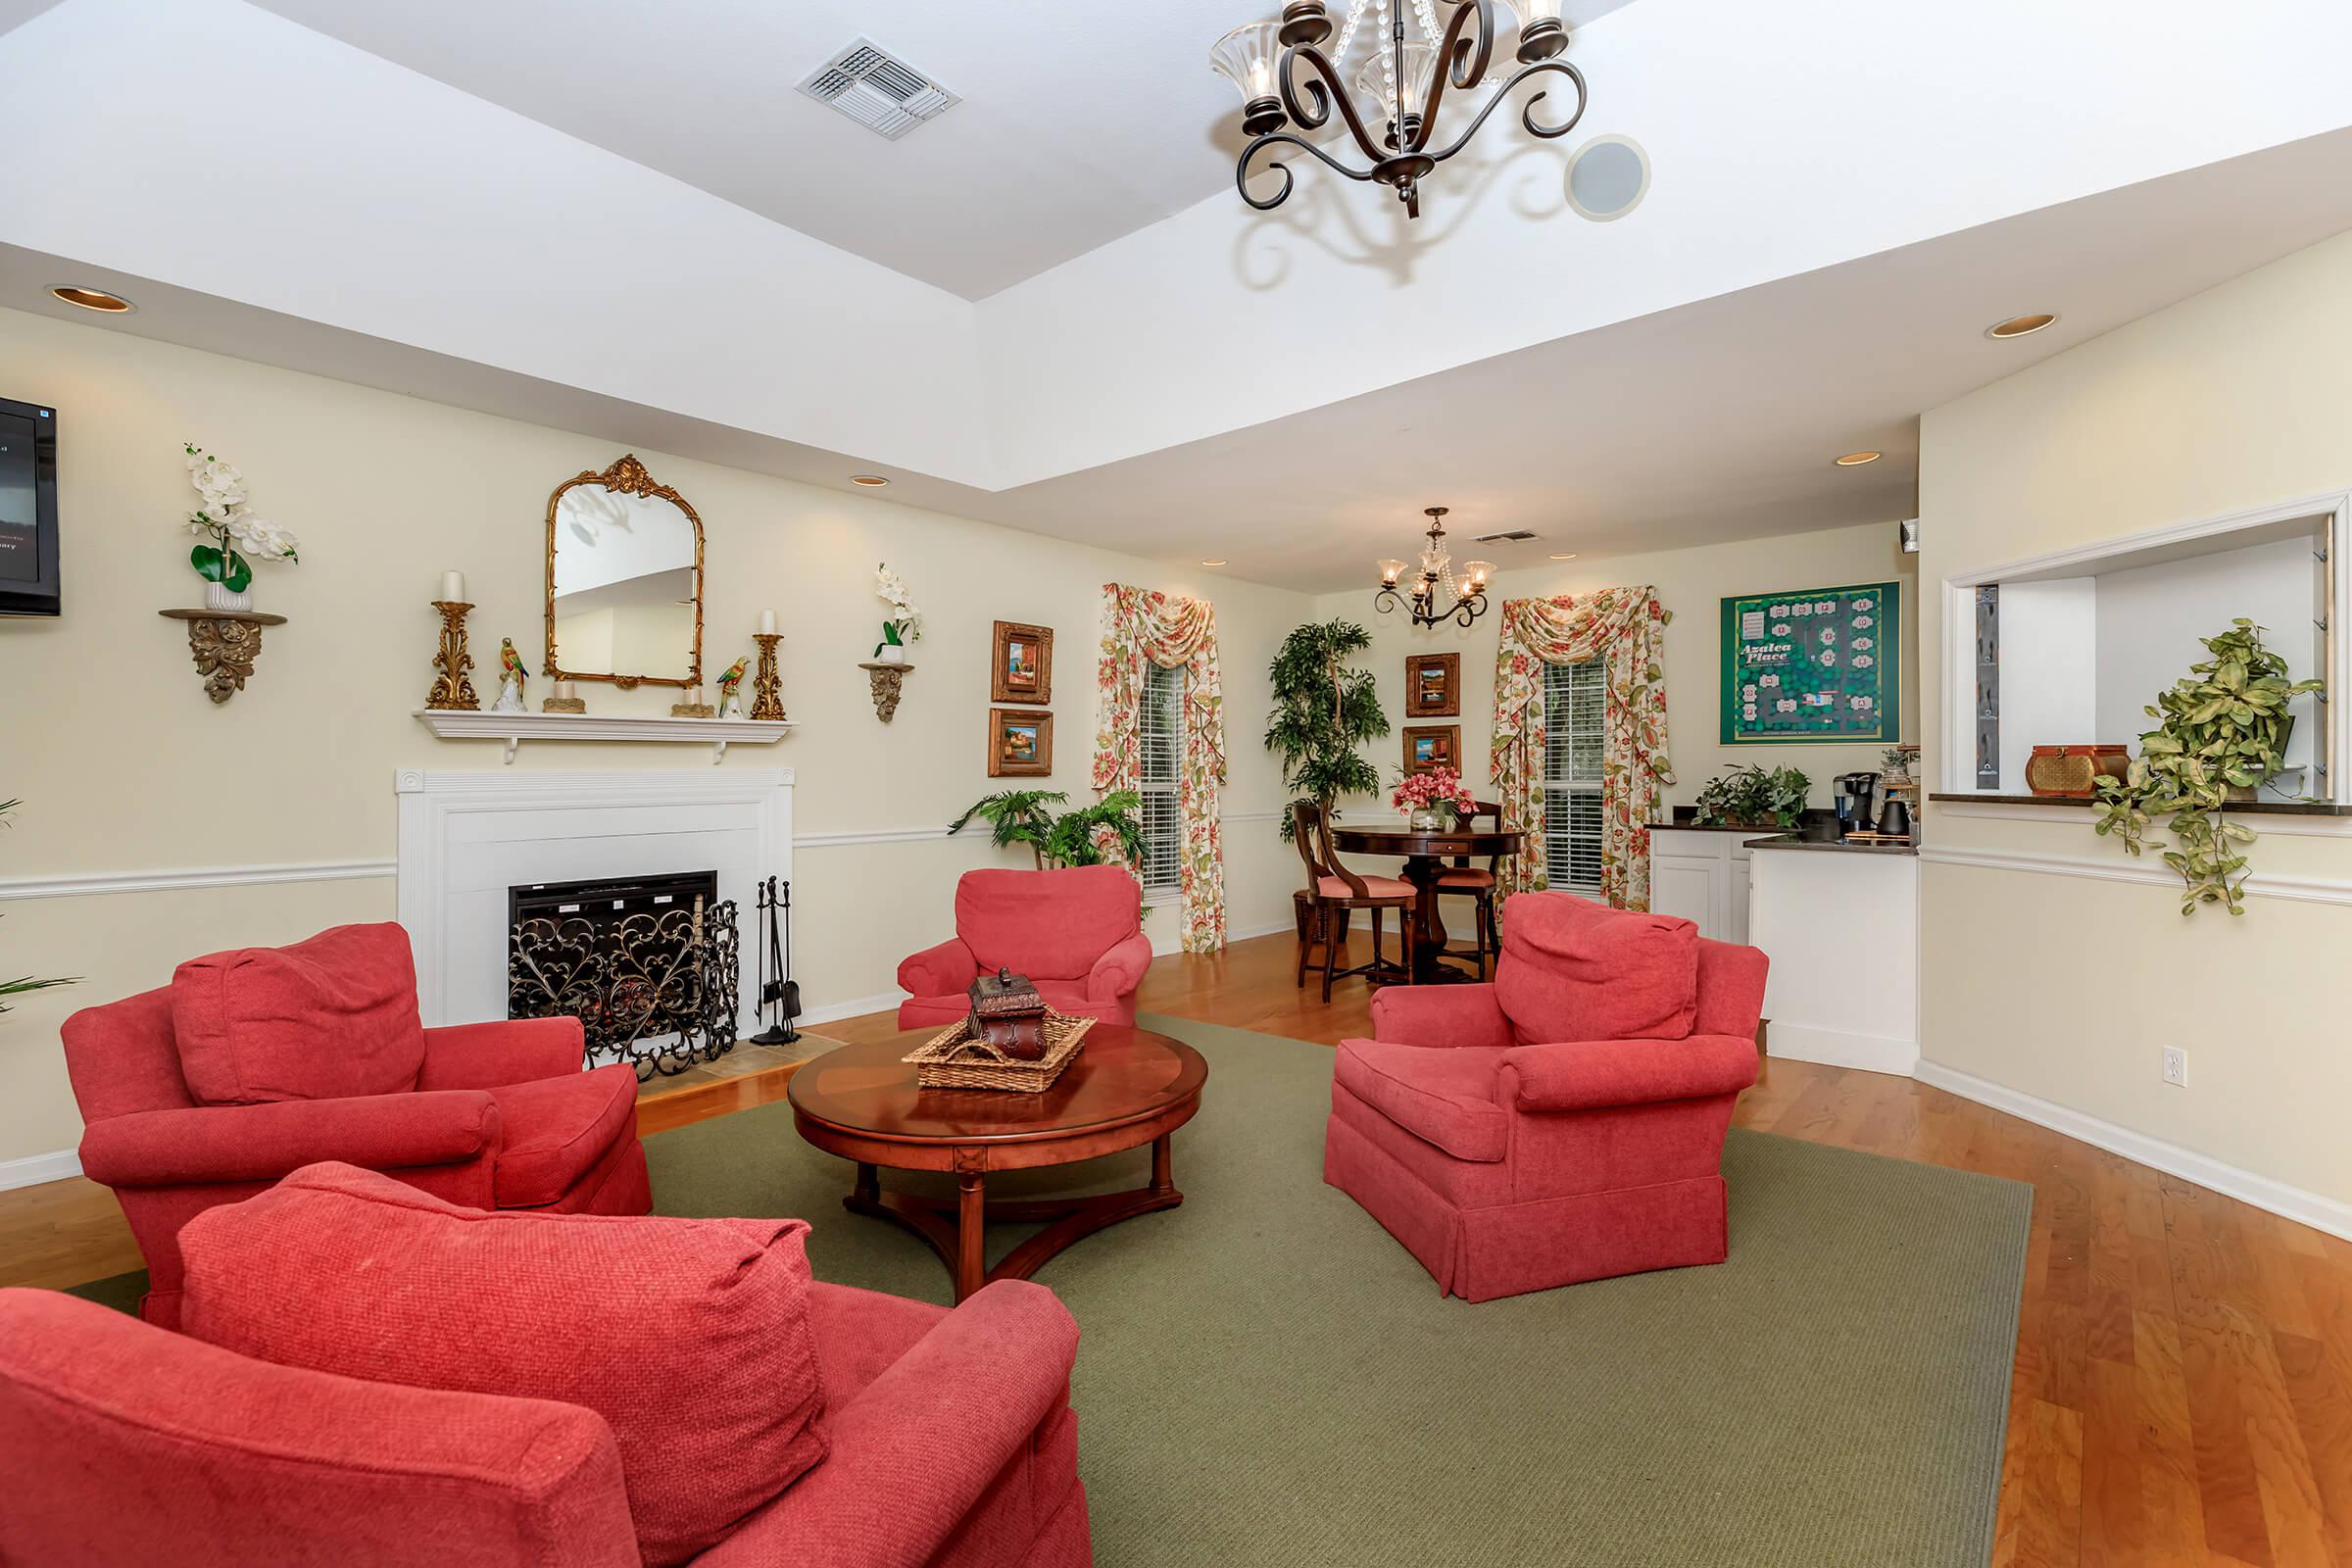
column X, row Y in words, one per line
column 253, row 1063
column 950, row 1443
column 1077, row 933
column 1565, row 1123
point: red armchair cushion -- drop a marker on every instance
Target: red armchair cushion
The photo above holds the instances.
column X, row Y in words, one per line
column 1049, row 925
column 691, row 1338
column 556, row 1129
column 126, row 1444
column 330, row 1018
column 1594, row 1074
column 1577, row 970
column 1444, row 1097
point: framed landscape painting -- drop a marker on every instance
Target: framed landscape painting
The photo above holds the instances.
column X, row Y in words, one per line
column 1428, row 745
column 1432, row 685
column 1021, row 663
column 1020, row 742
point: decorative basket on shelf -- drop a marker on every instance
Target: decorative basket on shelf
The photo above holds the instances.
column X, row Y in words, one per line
column 957, row 1059
column 2072, row 772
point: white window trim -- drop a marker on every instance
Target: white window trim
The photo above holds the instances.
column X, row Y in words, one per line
column 1171, row 891
column 1577, row 786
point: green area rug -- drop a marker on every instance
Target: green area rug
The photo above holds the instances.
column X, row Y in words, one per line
column 1266, row 1378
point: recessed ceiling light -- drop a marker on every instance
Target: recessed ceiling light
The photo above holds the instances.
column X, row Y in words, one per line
column 872, row 481
column 1213, row 562
column 1855, row 459
column 95, row 299
column 2019, row 325
column 1571, row 556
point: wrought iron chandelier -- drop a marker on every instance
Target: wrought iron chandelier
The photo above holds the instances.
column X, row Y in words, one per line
column 1402, row 83
column 1436, row 595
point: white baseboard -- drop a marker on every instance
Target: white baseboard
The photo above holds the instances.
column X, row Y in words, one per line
column 855, row 1006
column 34, row 1169
column 2315, row 1209
column 1172, row 945
column 1837, row 1048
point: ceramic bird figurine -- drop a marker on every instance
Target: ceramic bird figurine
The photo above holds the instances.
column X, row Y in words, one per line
column 511, row 677
column 728, row 707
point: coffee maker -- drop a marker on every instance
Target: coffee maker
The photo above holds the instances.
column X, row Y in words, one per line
column 1857, row 792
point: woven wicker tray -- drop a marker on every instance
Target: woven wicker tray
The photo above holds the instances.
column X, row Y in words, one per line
column 953, row 1060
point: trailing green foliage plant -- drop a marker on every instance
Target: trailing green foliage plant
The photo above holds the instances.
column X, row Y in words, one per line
column 18, row 988
column 1323, row 710
column 1750, row 797
column 2223, row 727
column 1107, row 832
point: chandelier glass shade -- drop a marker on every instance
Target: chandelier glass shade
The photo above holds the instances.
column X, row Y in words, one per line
column 1435, row 592
column 1411, row 52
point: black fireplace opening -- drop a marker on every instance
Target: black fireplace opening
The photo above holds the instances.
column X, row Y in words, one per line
column 650, row 966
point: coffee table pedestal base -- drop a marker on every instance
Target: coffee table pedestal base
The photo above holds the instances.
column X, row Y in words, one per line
column 956, row 1230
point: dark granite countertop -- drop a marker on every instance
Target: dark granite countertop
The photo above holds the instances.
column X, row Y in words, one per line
column 2085, row 803
column 1806, row 841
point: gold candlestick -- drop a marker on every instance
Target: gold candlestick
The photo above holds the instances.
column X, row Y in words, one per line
column 453, row 691
column 767, row 691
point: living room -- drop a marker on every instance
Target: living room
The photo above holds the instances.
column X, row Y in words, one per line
column 1603, row 834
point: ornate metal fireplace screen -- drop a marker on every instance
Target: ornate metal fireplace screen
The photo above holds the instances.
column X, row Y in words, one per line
column 652, row 975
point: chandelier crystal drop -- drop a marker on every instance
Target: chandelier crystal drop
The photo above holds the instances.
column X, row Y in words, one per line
column 1438, row 594
column 1411, row 52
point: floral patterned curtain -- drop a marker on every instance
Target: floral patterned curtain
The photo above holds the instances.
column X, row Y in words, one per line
column 1618, row 626
column 1140, row 628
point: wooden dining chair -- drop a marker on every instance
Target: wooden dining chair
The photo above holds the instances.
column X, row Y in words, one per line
column 1480, row 884
column 1334, row 895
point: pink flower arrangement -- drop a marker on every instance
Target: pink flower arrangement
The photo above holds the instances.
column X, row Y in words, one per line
column 1439, row 788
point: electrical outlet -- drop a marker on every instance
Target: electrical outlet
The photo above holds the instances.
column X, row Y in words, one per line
column 2175, row 1066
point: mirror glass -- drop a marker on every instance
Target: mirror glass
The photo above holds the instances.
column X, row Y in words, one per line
column 623, row 580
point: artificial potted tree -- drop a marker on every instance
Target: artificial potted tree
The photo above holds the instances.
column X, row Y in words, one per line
column 2221, row 734
column 1323, row 711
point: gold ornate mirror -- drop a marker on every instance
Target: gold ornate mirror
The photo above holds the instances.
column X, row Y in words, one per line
column 624, row 580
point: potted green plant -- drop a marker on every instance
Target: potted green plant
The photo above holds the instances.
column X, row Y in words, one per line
column 1750, row 797
column 2221, row 734
column 19, row 987
column 1323, row 710
column 1105, row 833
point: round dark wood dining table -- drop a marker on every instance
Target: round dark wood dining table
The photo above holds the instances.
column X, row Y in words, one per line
column 1427, row 853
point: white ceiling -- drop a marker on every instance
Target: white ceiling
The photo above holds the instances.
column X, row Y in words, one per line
column 1046, row 158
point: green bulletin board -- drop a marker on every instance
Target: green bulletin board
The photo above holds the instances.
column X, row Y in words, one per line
column 1813, row 668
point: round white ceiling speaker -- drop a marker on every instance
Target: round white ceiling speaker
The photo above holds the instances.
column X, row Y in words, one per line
column 1607, row 177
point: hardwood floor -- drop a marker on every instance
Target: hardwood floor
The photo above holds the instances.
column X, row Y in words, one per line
column 2183, row 1391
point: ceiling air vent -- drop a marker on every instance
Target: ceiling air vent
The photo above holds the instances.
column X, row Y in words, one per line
column 1517, row 536
column 880, row 91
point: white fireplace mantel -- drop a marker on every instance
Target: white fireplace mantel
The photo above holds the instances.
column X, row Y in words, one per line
column 466, row 838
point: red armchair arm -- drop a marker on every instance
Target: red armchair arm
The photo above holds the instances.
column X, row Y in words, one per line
column 939, row 971
column 262, row 1143
column 1590, row 1074
column 914, row 1455
column 1119, row 971
column 502, row 1051
column 1440, row 1016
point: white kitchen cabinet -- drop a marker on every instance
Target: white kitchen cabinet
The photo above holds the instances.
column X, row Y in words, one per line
column 1701, row 874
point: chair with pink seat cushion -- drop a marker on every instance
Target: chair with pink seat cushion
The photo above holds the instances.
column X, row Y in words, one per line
column 1335, row 891
column 255, row 1062
column 748, row 1417
column 1565, row 1123
column 1076, row 932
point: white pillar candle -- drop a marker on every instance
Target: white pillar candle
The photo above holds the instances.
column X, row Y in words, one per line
column 453, row 588
column 694, row 697
column 566, row 689
column 767, row 623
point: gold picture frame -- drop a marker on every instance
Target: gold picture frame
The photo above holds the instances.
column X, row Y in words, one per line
column 1428, row 745
column 1432, row 685
column 1020, row 742
column 1020, row 664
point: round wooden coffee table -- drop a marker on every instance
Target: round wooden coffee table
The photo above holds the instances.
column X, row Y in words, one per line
column 1127, row 1088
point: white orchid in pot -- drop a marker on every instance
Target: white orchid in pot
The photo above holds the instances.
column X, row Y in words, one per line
column 234, row 531
column 904, row 624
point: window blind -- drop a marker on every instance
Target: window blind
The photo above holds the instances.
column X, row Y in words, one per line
column 1575, row 698
column 1163, row 740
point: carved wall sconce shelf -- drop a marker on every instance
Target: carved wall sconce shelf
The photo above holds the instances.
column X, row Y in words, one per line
column 223, row 643
column 886, row 680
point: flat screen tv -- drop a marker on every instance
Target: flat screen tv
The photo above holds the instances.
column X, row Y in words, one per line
column 28, row 510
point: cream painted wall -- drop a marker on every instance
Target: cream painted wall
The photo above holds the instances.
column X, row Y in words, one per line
column 1690, row 584
column 2067, row 987
column 124, row 767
